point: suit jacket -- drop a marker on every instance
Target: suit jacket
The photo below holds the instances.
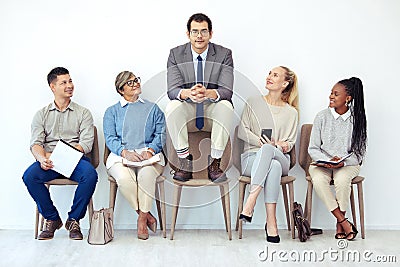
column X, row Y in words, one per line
column 218, row 71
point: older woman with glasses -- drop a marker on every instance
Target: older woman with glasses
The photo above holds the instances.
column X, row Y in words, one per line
column 134, row 132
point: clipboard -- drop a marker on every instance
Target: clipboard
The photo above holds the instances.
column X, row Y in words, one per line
column 65, row 157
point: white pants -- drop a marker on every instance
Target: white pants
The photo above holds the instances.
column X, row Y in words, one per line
column 321, row 178
column 137, row 184
column 181, row 119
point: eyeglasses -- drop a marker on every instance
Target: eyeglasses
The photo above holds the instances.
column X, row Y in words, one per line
column 203, row 33
column 131, row 83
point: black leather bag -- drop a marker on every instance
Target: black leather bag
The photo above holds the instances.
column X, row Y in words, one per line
column 302, row 225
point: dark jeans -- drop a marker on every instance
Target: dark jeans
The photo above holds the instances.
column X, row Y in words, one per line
column 86, row 176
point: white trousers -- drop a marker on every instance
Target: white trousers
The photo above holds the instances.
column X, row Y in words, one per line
column 181, row 119
column 137, row 184
column 321, row 178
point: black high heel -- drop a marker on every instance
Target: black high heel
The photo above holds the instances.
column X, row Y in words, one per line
column 245, row 218
column 272, row 239
column 353, row 231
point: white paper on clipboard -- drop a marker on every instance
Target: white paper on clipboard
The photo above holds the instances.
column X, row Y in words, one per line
column 65, row 158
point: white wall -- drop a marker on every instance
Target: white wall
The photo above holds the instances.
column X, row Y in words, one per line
column 322, row 41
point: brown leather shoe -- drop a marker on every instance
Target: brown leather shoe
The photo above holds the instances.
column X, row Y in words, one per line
column 184, row 173
column 49, row 228
column 215, row 173
column 151, row 222
column 142, row 231
column 74, row 229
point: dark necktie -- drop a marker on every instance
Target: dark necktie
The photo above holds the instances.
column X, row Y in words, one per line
column 199, row 106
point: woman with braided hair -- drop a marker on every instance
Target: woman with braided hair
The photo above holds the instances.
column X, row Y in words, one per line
column 338, row 131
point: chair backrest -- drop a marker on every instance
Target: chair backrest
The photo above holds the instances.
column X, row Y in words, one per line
column 106, row 153
column 304, row 157
column 200, row 148
column 237, row 150
column 238, row 147
column 93, row 155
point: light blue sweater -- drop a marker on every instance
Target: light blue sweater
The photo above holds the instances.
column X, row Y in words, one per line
column 133, row 126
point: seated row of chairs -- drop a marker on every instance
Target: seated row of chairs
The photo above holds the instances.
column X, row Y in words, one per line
column 199, row 143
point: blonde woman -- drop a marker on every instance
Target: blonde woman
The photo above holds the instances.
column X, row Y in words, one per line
column 265, row 159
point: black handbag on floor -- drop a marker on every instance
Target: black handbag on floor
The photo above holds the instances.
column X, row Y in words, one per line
column 302, row 225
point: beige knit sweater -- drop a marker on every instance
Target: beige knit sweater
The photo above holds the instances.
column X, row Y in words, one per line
column 258, row 114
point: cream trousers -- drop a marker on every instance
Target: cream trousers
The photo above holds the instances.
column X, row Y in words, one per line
column 181, row 119
column 342, row 177
column 137, row 184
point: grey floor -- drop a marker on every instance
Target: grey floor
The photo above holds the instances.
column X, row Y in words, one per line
column 199, row 248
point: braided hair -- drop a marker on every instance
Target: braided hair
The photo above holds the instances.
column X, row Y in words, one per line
column 354, row 88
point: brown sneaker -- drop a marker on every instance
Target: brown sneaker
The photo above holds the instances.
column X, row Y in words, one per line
column 49, row 228
column 74, row 229
column 215, row 174
column 184, row 173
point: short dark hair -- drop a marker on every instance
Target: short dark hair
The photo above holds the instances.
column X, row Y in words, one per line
column 56, row 72
column 199, row 17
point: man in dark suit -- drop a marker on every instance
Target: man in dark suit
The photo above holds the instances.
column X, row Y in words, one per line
column 200, row 86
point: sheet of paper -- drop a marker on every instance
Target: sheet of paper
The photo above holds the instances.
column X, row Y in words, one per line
column 150, row 161
column 65, row 158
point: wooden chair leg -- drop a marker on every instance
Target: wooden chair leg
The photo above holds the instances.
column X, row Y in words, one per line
column 41, row 222
column 113, row 194
column 175, row 207
column 285, row 201
column 353, row 206
column 228, row 210
column 291, row 205
column 36, row 223
column 158, row 205
column 306, row 204
column 222, row 192
column 242, row 190
column 90, row 208
column 39, row 218
column 361, row 207
column 309, row 202
column 240, row 229
column 163, row 211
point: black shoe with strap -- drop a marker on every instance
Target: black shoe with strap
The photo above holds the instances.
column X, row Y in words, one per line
column 353, row 233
